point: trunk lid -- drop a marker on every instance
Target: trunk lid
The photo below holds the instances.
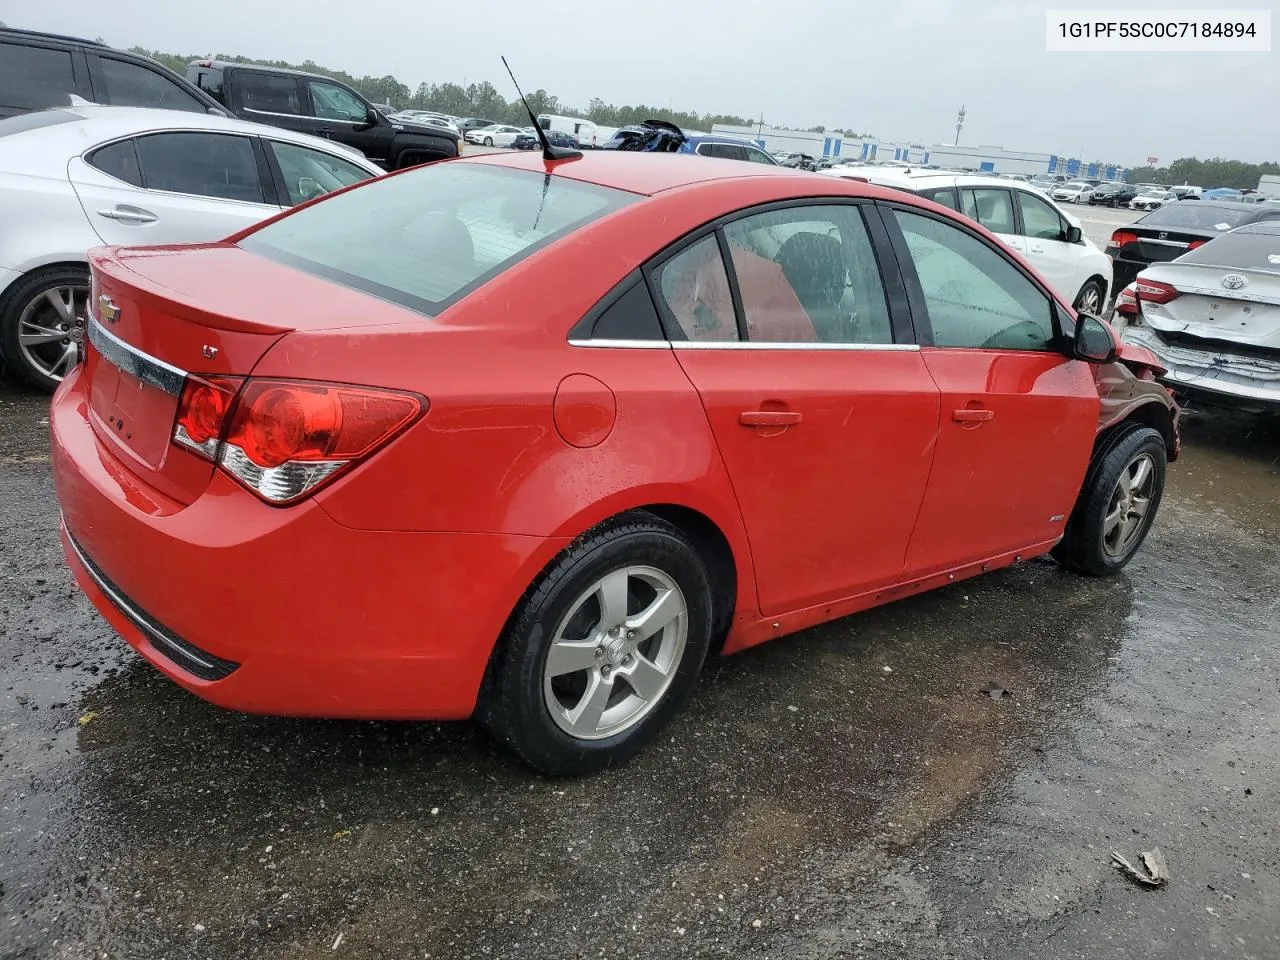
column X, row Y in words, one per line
column 161, row 314
column 1206, row 308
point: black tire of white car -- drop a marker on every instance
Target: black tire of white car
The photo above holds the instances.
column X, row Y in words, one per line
column 1094, row 305
column 1084, row 547
column 16, row 363
column 513, row 703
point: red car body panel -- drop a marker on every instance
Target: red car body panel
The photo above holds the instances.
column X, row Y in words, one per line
column 383, row 594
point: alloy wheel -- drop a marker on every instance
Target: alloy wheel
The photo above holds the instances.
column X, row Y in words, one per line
column 1090, row 301
column 51, row 328
column 614, row 654
column 1130, row 503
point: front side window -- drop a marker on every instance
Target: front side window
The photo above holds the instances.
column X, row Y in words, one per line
column 809, row 274
column 309, row 173
column 204, row 164
column 33, row 78
column 337, row 103
column 1039, row 219
column 134, row 85
column 975, row 297
column 265, row 93
column 427, row 238
column 693, row 287
column 759, row 156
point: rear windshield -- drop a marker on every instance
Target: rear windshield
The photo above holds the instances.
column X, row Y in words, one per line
column 1196, row 215
column 427, row 238
column 1242, row 251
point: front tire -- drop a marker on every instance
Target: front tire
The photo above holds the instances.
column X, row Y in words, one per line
column 1117, row 504
column 43, row 320
column 603, row 649
column 488, row 141
column 1090, row 298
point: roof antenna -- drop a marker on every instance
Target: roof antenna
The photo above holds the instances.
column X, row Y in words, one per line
column 549, row 153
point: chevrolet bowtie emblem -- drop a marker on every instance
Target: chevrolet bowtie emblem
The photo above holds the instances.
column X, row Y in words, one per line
column 107, row 309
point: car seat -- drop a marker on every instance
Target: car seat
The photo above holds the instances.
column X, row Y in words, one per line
column 814, row 265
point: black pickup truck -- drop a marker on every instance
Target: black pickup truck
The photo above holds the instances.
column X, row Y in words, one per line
column 323, row 107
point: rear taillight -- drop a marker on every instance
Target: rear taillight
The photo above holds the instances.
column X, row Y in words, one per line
column 1153, row 291
column 202, row 412
column 1121, row 237
column 1196, row 243
column 1127, row 302
column 283, row 439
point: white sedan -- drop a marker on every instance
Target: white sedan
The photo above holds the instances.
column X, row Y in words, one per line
column 1152, row 198
column 1073, row 192
column 79, row 177
column 498, row 135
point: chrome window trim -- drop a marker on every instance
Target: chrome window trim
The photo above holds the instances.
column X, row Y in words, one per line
column 738, row 345
column 125, row 356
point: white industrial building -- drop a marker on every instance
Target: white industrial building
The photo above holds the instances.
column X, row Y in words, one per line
column 988, row 159
column 1270, row 185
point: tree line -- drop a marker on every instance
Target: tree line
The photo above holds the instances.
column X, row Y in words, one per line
column 1215, row 172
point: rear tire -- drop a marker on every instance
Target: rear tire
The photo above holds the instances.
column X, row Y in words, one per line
column 1117, row 504
column 26, row 309
column 559, row 691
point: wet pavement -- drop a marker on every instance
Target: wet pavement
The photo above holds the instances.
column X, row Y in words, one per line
column 848, row 791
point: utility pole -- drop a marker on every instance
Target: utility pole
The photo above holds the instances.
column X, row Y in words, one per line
column 959, row 124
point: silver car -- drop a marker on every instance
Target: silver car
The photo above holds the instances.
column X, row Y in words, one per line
column 1212, row 317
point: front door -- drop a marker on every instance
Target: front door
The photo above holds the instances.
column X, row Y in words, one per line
column 1057, row 261
column 1018, row 417
column 825, row 424
column 342, row 116
column 171, row 188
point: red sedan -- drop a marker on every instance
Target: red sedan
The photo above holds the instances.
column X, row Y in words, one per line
column 528, row 440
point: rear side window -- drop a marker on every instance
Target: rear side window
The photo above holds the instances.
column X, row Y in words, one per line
column 33, row 78
column 427, row 238
column 943, row 195
column 205, row 164
column 118, row 160
column 264, row 93
column 209, row 79
column 134, row 85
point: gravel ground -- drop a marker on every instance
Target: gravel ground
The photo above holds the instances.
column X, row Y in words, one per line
column 848, row 791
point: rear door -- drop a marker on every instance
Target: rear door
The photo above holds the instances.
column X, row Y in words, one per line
column 273, row 98
column 821, row 405
column 1017, row 417
column 175, row 187
column 1045, row 230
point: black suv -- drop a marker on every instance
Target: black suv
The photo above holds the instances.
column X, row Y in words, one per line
column 1112, row 195
column 41, row 70
column 323, row 107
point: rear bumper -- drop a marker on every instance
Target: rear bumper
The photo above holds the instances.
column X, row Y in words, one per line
column 1225, row 378
column 283, row 611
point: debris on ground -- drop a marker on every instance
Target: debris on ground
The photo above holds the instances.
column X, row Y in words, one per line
column 88, row 718
column 1156, row 873
column 994, row 691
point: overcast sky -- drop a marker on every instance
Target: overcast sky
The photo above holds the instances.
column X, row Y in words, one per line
column 899, row 68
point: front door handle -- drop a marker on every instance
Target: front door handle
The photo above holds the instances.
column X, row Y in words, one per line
column 972, row 416
column 127, row 214
column 769, row 418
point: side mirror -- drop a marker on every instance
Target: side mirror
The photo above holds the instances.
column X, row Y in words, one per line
column 1094, row 342
column 371, row 119
column 1074, row 234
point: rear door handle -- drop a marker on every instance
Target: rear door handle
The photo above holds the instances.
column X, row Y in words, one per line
column 126, row 214
column 972, row 416
column 769, row 418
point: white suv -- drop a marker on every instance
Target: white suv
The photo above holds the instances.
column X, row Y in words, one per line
column 1022, row 216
